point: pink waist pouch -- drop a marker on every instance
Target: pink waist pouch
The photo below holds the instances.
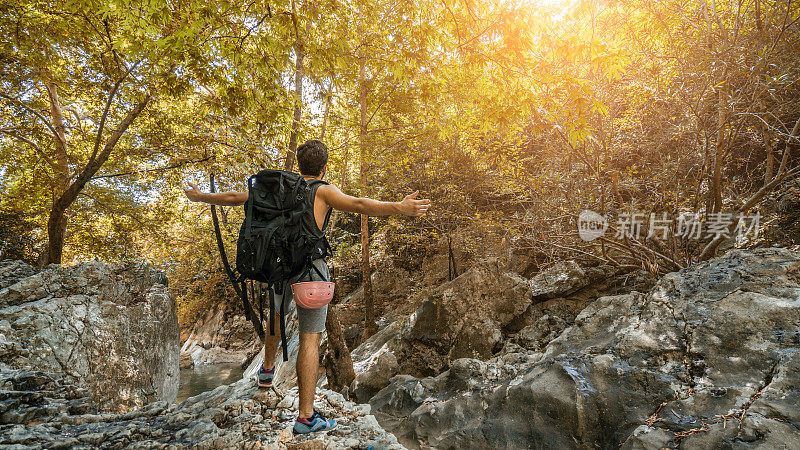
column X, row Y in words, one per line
column 313, row 294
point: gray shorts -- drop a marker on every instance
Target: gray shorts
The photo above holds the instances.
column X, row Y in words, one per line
column 310, row 320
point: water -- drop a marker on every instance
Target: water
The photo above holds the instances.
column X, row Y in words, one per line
column 207, row 377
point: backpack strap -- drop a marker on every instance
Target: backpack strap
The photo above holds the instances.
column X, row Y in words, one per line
column 238, row 285
column 271, row 311
column 284, row 345
column 258, row 325
column 260, row 303
column 281, row 190
column 321, row 276
column 248, row 216
column 307, row 272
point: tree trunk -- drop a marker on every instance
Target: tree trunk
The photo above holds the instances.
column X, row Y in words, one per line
column 60, row 139
column 325, row 117
column 337, row 361
column 768, row 172
column 298, row 103
column 342, row 186
column 369, row 306
column 716, row 188
column 56, row 228
column 57, row 221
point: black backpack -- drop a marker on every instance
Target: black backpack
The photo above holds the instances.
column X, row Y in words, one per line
column 279, row 237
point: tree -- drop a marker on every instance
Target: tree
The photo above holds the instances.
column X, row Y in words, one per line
column 91, row 86
column 299, row 55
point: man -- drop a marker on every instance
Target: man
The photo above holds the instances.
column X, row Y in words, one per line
column 312, row 159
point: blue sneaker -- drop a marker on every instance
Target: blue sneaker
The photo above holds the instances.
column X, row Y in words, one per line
column 317, row 422
column 265, row 377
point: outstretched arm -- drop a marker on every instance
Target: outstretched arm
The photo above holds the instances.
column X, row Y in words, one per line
column 221, row 198
column 409, row 206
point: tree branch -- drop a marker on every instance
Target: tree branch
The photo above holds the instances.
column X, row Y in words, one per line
column 94, row 165
column 33, row 111
column 787, row 150
column 62, row 158
column 105, row 112
column 58, row 118
column 157, row 169
column 32, row 144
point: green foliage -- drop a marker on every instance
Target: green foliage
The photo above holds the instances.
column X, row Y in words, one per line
column 18, row 238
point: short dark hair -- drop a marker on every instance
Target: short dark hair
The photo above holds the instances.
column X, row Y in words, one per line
column 312, row 157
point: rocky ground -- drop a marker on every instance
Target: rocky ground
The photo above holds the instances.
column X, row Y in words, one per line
column 44, row 410
column 574, row 357
column 84, row 346
column 111, row 329
column 488, row 310
column 708, row 358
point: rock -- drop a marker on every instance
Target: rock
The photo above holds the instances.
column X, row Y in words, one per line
column 709, row 358
column 412, row 401
column 563, row 278
column 465, row 317
column 523, row 259
column 221, row 336
column 434, row 266
column 382, row 366
column 375, row 361
column 186, row 361
column 787, row 206
column 541, row 332
column 548, row 317
column 462, row 318
column 353, row 335
column 42, row 410
column 645, row 437
column 389, row 284
column 112, row 329
column 12, row 271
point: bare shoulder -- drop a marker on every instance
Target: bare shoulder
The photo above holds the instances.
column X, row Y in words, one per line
column 334, row 197
column 326, row 191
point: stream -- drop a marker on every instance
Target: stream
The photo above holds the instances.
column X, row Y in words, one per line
column 205, row 378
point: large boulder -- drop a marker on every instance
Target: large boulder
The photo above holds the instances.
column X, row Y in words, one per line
column 375, row 361
column 43, row 410
column 465, row 317
column 562, row 278
column 391, row 287
column 111, row 329
column 709, row 358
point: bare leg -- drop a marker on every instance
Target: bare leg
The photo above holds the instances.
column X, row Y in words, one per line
column 270, row 347
column 307, row 371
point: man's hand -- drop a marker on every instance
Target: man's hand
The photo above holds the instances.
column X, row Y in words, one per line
column 410, row 206
column 193, row 192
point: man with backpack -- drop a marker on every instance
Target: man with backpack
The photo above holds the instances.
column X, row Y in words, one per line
column 321, row 198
